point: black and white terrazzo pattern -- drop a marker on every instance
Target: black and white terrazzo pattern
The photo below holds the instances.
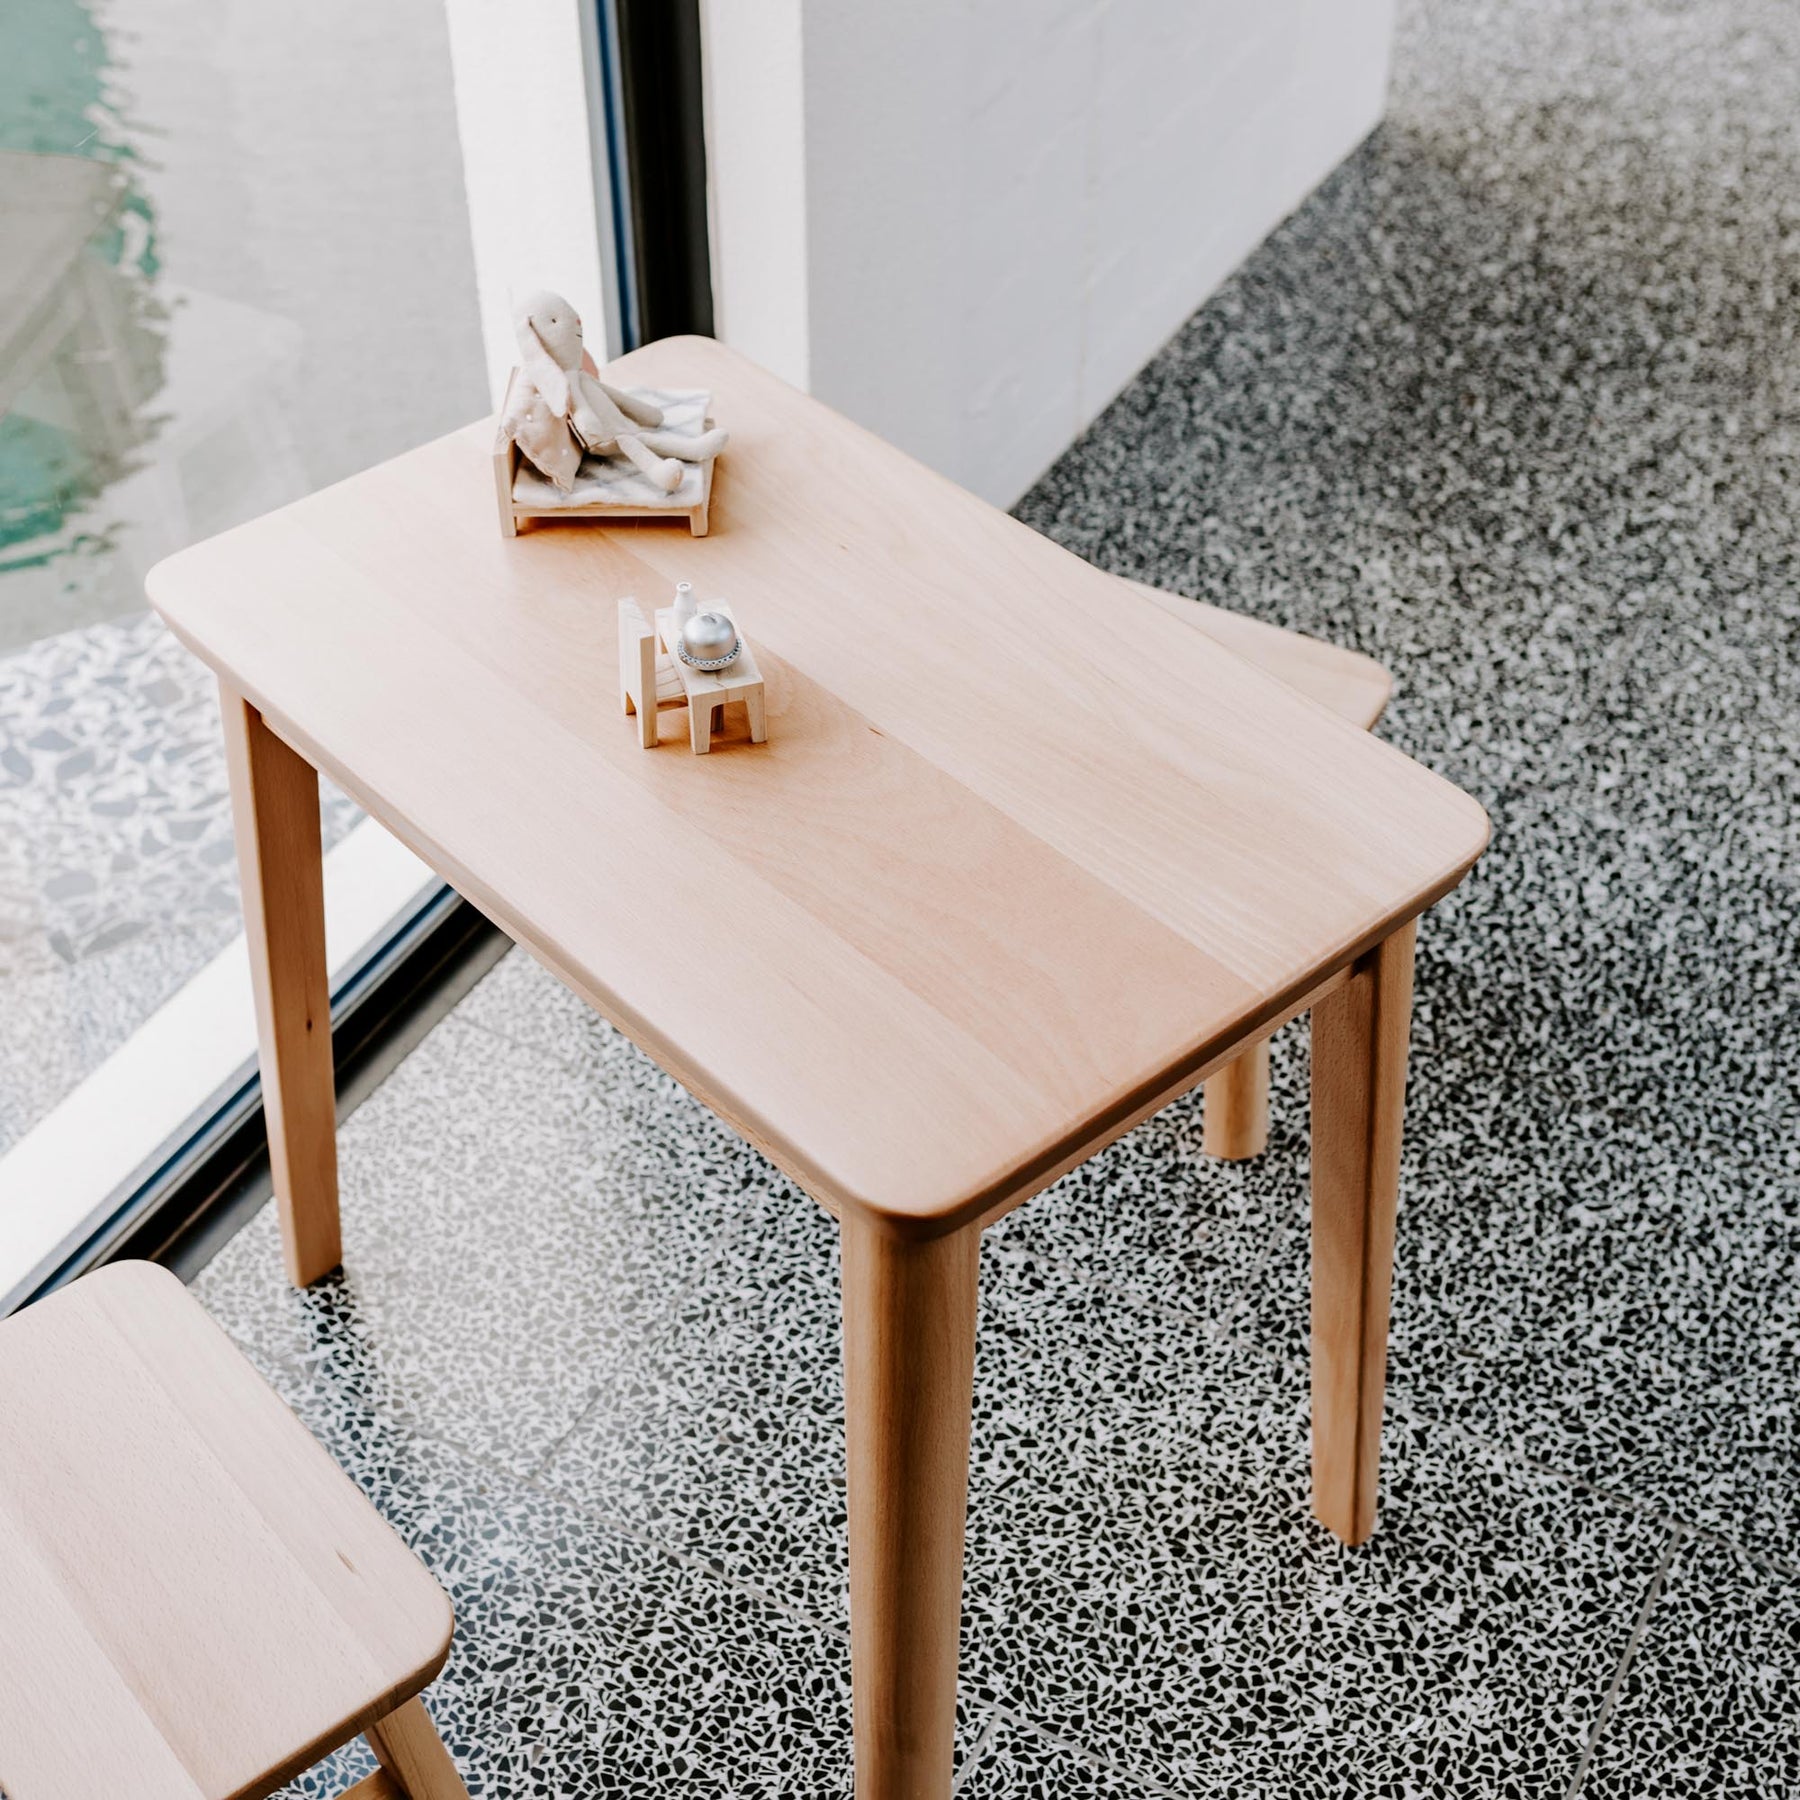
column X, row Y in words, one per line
column 1513, row 404
column 118, row 880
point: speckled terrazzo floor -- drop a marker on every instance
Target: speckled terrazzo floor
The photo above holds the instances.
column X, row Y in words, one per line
column 117, row 876
column 1513, row 404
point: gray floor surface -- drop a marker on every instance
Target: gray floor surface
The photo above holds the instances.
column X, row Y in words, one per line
column 1512, row 403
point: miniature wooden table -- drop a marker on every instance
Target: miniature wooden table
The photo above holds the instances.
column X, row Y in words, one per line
column 1023, row 859
column 653, row 679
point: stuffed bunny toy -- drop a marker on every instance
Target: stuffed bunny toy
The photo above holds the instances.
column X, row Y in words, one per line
column 558, row 409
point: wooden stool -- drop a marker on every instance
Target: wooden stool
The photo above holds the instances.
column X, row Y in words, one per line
column 195, row 1602
column 1355, row 687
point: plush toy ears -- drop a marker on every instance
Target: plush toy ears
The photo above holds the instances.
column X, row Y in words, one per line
column 548, row 375
column 543, row 435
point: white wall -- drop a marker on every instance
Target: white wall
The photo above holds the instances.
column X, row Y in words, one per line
column 967, row 223
column 756, row 176
column 534, row 165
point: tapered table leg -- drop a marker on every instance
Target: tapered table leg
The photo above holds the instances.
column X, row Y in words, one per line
column 909, row 1370
column 1359, row 1038
column 1235, row 1118
column 275, row 806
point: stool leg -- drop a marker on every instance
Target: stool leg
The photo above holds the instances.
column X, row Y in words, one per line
column 275, row 810
column 407, row 1745
column 1235, row 1116
column 909, row 1370
column 1359, row 1037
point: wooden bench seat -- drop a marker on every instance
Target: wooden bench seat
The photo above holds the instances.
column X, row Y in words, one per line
column 195, row 1602
column 1356, row 688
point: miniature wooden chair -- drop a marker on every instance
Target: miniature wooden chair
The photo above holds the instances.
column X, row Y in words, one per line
column 652, row 680
column 1355, row 687
column 195, row 1602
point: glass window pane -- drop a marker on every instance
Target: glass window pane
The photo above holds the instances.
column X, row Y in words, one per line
column 234, row 266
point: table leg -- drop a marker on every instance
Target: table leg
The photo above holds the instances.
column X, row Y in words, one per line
column 909, row 1371
column 700, row 720
column 1359, row 1037
column 1235, row 1115
column 407, row 1745
column 275, row 805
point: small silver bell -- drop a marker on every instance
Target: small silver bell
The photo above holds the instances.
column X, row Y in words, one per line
column 709, row 640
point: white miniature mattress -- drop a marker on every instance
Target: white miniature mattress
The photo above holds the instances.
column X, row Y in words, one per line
column 612, row 481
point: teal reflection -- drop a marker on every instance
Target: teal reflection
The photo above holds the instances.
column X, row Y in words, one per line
column 82, row 334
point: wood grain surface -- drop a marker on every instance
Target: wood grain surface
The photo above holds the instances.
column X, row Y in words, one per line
column 195, row 1603
column 1355, row 687
column 986, row 895
column 275, row 814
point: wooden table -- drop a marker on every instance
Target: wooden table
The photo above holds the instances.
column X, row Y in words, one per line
column 1024, row 859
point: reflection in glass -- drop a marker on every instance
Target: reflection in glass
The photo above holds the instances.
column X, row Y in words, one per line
column 234, row 265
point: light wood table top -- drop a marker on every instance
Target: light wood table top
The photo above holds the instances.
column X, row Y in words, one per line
column 1024, row 857
column 195, row 1602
